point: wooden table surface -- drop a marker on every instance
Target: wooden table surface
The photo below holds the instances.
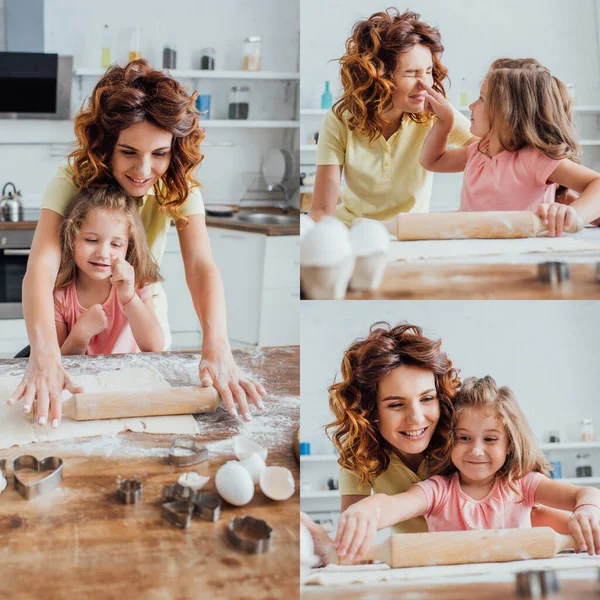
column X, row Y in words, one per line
column 80, row 541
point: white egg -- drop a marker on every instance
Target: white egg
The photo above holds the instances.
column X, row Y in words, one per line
column 369, row 237
column 244, row 447
column 234, row 483
column 277, row 483
column 255, row 465
column 3, row 482
column 326, row 244
column 306, row 224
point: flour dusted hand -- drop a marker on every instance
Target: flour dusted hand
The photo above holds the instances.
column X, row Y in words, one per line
column 558, row 217
column 584, row 526
column 123, row 278
column 217, row 368
column 355, row 533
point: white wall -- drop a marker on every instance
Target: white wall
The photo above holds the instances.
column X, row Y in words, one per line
column 74, row 27
column 561, row 35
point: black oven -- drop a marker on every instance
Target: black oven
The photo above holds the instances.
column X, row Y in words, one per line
column 14, row 252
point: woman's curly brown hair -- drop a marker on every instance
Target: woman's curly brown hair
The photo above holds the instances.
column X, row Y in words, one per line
column 353, row 400
column 123, row 97
column 367, row 67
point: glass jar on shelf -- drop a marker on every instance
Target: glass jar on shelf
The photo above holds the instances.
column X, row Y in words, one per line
column 135, row 46
column 251, row 54
column 239, row 102
column 587, row 430
column 207, row 59
column 583, row 465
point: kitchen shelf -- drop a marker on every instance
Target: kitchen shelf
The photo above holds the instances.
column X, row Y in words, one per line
column 580, row 480
column 202, row 74
column 310, row 148
column 569, row 445
column 319, row 458
column 315, row 495
column 578, row 109
column 244, row 124
column 589, row 142
column 314, row 112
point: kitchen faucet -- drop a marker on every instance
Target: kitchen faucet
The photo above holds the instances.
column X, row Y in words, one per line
column 278, row 186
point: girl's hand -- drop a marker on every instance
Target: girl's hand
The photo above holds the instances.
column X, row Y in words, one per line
column 217, row 368
column 355, row 533
column 439, row 105
column 123, row 278
column 584, row 526
column 92, row 322
column 558, row 217
column 43, row 382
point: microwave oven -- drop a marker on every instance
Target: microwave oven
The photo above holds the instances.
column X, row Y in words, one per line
column 35, row 85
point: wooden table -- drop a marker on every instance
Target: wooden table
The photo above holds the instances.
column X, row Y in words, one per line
column 80, row 541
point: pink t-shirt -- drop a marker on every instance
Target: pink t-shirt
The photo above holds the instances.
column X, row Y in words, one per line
column 117, row 338
column 508, row 181
column 450, row 509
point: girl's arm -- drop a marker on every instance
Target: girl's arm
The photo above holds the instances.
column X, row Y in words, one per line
column 584, row 523
column 326, row 192
column 45, row 377
column 91, row 323
column 586, row 182
column 144, row 324
column 358, row 525
column 217, row 367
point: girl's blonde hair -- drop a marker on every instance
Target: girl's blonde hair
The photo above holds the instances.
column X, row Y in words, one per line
column 109, row 198
column 527, row 106
column 523, row 454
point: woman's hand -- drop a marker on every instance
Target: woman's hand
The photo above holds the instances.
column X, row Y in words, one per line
column 43, row 383
column 584, row 526
column 558, row 218
column 439, row 105
column 217, row 368
column 355, row 533
column 123, row 278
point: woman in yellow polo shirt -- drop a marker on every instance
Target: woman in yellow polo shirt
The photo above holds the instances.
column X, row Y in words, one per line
column 376, row 130
column 140, row 130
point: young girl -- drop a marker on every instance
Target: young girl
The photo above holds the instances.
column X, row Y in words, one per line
column 489, row 476
column 527, row 154
column 102, row 299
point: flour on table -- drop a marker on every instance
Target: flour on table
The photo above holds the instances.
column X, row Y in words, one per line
column 17, row 429
column 437, row 249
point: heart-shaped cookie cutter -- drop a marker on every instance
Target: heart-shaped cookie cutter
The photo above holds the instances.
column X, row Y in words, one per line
column 178, row 513
column 51, row 464
column 197, row 452
column 249, row 534
column 207, row 505
column 129, row 491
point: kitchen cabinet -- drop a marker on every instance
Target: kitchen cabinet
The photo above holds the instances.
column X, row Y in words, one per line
column 13, row 337
column 261, row 280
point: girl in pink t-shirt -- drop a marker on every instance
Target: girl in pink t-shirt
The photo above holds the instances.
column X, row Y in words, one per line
column 489, row 476
column 102, row 298
column 527, row 155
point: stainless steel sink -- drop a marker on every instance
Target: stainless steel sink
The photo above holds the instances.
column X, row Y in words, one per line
column 268, row 219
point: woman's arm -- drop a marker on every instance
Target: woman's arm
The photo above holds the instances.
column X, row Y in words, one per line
column 326, row 192
column 584, row 523
column 144, row 324
column 45, row 377
column 203, row 279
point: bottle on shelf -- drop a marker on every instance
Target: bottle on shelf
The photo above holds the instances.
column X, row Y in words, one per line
column 239, row 102
column 587, row 430
column 571, row 90
column 464, row 97
column 207, row 60
column 135, row 47
column 251, row 59
column 583, row 467
column 106, row 47
column 326, row 98
column 170, row 55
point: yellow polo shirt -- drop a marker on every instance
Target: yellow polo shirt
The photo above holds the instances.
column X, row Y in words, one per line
column 383, row 177
column 396, row 479
column 61, row 190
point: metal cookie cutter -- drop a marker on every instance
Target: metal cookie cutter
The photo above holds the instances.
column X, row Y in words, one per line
column 178, row 492
column 207, row 506
column 553, row 272
column 50, row 464
column 249, row 534
column 195, row 452
column 178, row 513
column 129, row 491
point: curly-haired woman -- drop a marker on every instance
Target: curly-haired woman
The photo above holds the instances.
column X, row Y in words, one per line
column 140, row 131
column 376, row 130
column 393, row 406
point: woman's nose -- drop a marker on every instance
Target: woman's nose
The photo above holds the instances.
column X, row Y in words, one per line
column 416, row 416
column 144, row 168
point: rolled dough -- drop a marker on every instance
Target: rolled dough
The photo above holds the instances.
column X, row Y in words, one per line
column 436, row 249
column 333, row 575
column 17, row 429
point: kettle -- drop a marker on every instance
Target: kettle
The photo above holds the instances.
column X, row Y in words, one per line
column 11, row 207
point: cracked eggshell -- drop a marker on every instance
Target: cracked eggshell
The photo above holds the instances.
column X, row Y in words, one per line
column 244, row 447
column 255, row 465
column 3, row 483
column 192, row 480
column 234, row 483
column 369, row 237
column 326, row 244
column 306, row 224
column 277, row 483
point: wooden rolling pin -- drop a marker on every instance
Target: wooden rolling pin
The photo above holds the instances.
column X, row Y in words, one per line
column 114, row 405
column 464, row 225
column 462, row 547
